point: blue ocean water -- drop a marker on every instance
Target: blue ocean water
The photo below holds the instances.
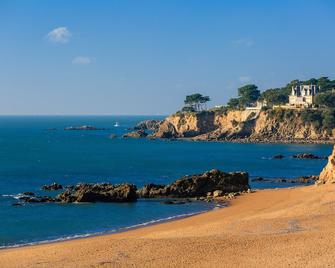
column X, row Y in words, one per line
column 37, row 150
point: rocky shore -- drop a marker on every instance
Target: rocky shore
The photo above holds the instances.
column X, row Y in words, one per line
column 241, row 126
column 327, row 175
column 203, row 186
column 255, row 230
column 199, row 185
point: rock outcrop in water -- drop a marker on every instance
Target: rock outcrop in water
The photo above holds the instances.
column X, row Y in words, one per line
column 302, row 179
column 210, row 183
column 85, row 127
column 52, row 187
column 308, row 156
column 36, row 199
column 136, row 134
column 328, row 173
column 104, row 192
column 199, row 185
column 244, row 126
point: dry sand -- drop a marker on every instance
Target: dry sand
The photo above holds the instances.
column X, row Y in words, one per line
column 268, row 228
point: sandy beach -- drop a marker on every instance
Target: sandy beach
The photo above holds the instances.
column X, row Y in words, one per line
column 268, row 228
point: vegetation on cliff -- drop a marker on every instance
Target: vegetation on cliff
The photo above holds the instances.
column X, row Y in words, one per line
column 261, row 123
column 195, row 102
column 247, row 95
column 272, row 125
column 277, row 96
column 321, row 119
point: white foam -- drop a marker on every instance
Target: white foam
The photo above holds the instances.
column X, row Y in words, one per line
column 15, row 196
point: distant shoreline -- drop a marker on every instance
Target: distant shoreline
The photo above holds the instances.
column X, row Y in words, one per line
column 248, row 141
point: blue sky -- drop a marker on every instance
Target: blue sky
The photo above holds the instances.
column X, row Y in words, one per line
column 143, row 57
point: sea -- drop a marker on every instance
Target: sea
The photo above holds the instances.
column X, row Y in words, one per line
column 36, row 150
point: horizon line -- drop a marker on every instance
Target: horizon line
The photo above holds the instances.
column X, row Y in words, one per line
column 83, row 115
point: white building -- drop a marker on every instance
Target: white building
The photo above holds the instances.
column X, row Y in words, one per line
column 303, row 95
column 257, row 106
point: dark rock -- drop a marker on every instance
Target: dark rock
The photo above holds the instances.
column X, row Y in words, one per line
column 280, row 180
column 148, row 125
column 173, row 202
column 28, row 193
column 104, row 192
column 52, row 187
column 83, row 128
column 16, row 204
column 37, row 199
column 278, row 156
column 259, row 179
column 151, row 190
column 308, row 156
column 135, row 134
column 199, row 185
column 112, row 136
column 307, row 179
column 302, row 179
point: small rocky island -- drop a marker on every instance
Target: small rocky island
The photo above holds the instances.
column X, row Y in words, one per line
column 199, row 185
column 85, row 127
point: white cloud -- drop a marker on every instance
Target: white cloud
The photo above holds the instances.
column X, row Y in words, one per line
column 59, row 35
column 81, row 60
column 244, row 78
column 247, row 42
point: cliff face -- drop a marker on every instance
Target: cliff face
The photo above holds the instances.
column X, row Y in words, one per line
column 328, row 173
column 251, row 125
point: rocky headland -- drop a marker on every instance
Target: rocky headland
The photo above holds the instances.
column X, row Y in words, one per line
column 152, row 125
column 259, row 126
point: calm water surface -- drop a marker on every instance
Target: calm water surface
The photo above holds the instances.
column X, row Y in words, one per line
column 31, row 154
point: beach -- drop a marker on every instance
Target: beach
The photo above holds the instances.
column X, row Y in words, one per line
column 292, row 227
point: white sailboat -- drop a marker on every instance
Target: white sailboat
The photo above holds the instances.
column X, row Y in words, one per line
column 116, row 124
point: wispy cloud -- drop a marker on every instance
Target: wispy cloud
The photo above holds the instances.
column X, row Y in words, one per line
column 81, row 60
column 244, row 78
column 247, row 42
column 59, row 35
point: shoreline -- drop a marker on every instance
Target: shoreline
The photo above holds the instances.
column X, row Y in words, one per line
column 110, row 232
column 254, row 230
column 248, row 141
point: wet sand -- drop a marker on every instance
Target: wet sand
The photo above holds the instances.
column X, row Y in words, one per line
column 269, row 228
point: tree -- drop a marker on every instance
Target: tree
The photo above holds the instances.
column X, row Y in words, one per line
column 248, row 94
column 234, row 103
column 326, row 99
column 328, row 122
column 275, row 96
column 196, row 101
column 311, row 81
column 325, row 84
column 188, row 109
